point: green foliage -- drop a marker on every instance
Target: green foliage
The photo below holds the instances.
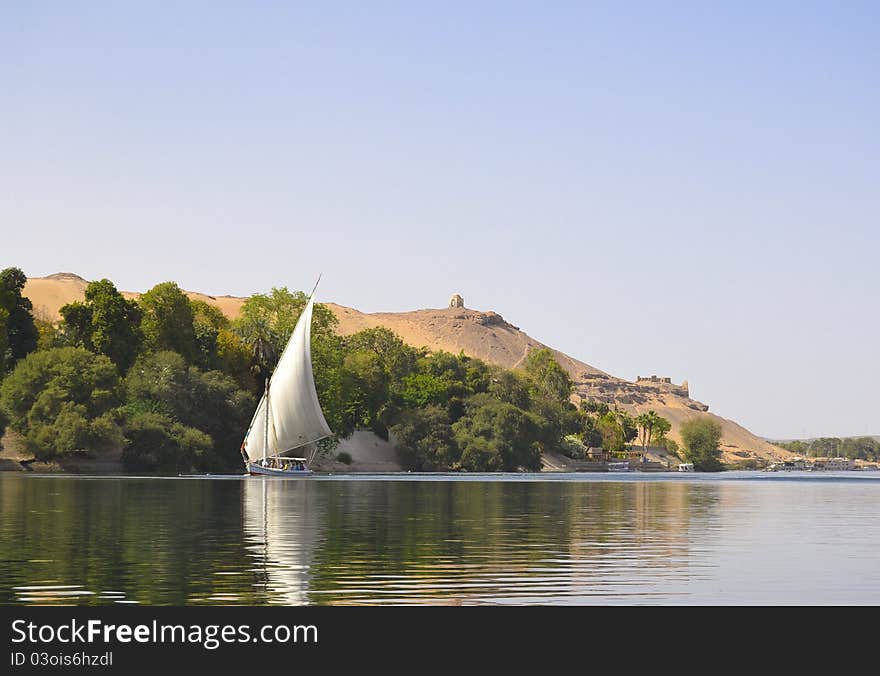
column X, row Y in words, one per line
column 335, row 389
column 425, row 389
column 494, row 435
column 589, row 430
column 208, row 322
column 397, row 358
column 48, row 334
column 344, row 457
column 16, row 320
column 440, row 379
column 155, row 443
column 168, row 321
column 266, row 322
column 208, row 401
column 4, row 421
column 572, row 447
column 106, row 323
column 594, row 407
column 627, row 425
column 652, row 427
column 367, row 382
column 58, row 400
column 701, row 438
column 459, row 413
column 612, row 429
column 190, row 376
column 76, row 328
column 510, row 387
column 234, row 359
column 5, row 354
column 424, row 439
column 547, row 377
column 554, row 420
column 864, row 448
column 671, row 446
column 611, row 432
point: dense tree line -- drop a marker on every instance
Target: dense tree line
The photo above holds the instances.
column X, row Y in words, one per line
column 172, row 383
column 864, row 448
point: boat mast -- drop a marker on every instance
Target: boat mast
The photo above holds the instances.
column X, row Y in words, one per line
column 266, row 431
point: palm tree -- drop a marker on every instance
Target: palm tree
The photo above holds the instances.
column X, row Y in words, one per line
column 258, row 335
column 647, row 423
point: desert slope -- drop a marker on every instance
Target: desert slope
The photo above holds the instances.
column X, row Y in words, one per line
column 485, row 335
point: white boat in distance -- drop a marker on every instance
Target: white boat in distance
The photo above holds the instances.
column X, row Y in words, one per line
column 288, row 417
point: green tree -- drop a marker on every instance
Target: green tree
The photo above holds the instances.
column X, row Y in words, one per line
column 627, row 425
column 374, row 361
column 589, row 430
column 234, row 359
column 440, row 379
column 208, row 322
column 155, row 443
column 611, row 432
column 510, row 387
column 396, row 357
column 662, row 427
column 60, row 400
column 494, row 435
column 4, row 421
column 548, row 378
column 593, row 406
column 169, row 321
column 425, row 440
column 702, row 438
column 651, row 427
column 266, row 322
column 368, row 384
column 162, row 383
column 4, row 340
column 48, row 334
column 16, row 319
column 106, row 323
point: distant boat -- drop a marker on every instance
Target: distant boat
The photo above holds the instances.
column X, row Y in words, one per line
column 686, row 467
column 289, row 416
column 619, row 467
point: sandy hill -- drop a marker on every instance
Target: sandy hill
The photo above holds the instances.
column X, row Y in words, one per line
column 485, row 335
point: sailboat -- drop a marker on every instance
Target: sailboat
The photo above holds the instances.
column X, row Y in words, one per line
column 289, row 417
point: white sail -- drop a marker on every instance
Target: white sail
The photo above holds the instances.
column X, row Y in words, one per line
column 255, row 442
column 295, row 416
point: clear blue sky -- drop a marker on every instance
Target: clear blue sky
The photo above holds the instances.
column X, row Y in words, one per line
column 673, row 188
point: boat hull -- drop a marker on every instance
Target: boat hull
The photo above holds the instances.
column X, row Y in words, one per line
column 257, row 469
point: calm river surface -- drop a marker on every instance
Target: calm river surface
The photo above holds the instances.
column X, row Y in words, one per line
column 514, row 539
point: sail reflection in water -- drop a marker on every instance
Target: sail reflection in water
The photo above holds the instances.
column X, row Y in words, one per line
column 467, row 542
column 280, row 531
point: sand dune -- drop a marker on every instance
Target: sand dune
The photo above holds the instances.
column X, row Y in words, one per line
column 485, row 335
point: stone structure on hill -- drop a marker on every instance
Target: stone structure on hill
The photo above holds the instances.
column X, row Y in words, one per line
column 456, row 301
column 644, row 391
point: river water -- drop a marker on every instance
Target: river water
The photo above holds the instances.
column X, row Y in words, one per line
column 734, row 538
